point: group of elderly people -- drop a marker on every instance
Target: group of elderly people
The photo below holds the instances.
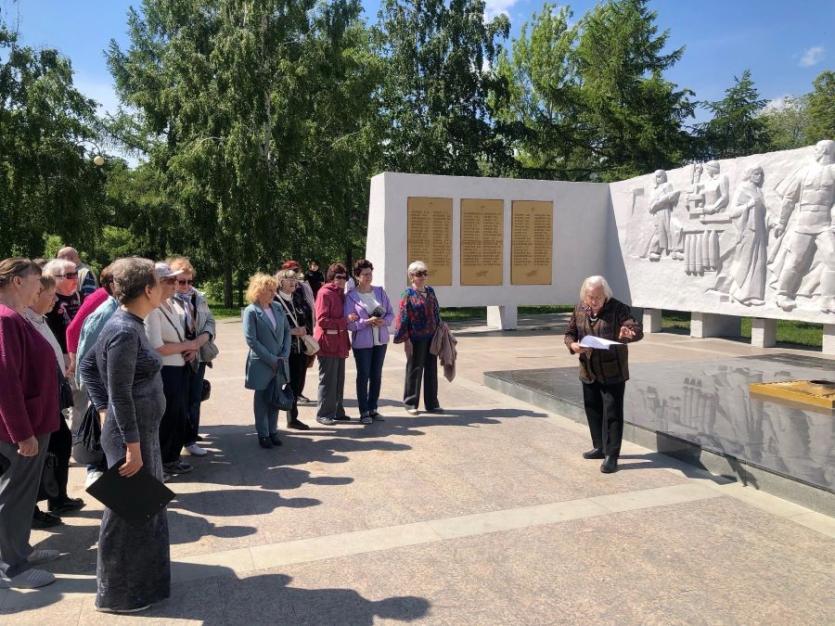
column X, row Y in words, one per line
column 132, row 353
column 136, row 348
column 287, row 332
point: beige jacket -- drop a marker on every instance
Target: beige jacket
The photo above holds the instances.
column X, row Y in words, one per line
column 443, row 345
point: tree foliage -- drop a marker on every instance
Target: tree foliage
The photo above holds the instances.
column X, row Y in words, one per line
column 822, row 108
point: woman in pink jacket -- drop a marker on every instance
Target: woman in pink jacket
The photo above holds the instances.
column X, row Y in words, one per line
column 332, row 334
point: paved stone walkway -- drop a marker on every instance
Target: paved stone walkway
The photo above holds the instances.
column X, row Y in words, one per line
column 486, row 515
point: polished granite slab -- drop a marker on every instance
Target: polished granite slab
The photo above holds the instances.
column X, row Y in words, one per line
column 707, row 404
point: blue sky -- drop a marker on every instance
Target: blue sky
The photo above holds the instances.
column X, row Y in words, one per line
column 785, row 43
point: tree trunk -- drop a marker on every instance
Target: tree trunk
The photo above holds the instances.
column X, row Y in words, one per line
column 227, row 287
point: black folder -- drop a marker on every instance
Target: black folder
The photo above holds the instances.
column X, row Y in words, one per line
column 136, row 498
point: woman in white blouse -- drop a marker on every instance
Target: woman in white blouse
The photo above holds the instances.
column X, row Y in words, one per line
column 167, row 335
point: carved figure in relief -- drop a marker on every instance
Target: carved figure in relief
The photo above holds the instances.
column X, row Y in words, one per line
column 810, row 193
column 696, row 193
column 661, row 204
column 748, row 210
column 716, row 189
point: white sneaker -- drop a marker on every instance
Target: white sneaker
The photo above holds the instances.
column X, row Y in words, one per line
column 195, row 450
column 92, row 477
column 30, row 579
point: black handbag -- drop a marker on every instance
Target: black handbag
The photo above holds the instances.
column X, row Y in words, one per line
column 49, row 480
column 4, row 464
column 86, row 441
column 280, row 397
column 66, row 401
column 206, row 392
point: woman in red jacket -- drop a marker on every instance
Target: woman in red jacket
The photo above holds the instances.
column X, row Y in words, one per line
column 332, row 334
column 28, row 414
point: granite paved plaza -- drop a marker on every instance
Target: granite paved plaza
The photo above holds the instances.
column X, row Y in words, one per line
column 487, row 515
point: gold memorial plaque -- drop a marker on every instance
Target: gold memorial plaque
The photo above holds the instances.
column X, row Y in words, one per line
column 429, row 237
column 815, row 393
column 531, row 241
column 482, row 241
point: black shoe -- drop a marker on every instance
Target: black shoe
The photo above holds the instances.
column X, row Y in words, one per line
column 594, row 453
column 265, row 442
column 275, row 440
column 342, row 418
column 376, row 416
column 65, row 505
column 297, row 425
column 42, row 519
column 610, row 465
column 437, row 410
column 200, row 438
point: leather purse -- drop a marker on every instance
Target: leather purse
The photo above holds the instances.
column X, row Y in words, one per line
column 280, row 397
column 311, row 346
column 86, row 440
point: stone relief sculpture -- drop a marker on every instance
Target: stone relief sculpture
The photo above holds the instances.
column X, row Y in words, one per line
column 809, row 194
column 748, row 210
column 661, row 204
column 696, row 193
column 716, row 189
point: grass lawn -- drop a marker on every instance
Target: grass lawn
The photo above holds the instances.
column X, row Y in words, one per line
column 797, row 333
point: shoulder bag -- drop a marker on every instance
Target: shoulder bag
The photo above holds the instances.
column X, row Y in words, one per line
column 311, row 346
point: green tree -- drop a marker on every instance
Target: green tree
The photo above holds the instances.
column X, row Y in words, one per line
column 787, row 124
column 736, row 128
column 631, row 119
column 822, row 108
column 541, row 106
column 48, row 183
column 255, row 118
column 438, row 59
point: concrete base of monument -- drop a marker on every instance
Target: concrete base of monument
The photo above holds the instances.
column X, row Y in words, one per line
column 702, row 413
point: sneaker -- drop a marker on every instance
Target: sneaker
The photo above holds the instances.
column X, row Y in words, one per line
column 412, row 410
column 42, row 519
column 327, row 421
column 92, row 477
column 366, row 419
column 136, row 610
column 39, row 557
column 376, row 416
column 30, row 579
column 195, row 450
column 65, row 505
column 177, row 467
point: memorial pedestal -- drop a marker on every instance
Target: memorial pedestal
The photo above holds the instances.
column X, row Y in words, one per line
column 502, row 317
column 829, row 338
column 763, row 333
column 652, row 321
column 704, row 325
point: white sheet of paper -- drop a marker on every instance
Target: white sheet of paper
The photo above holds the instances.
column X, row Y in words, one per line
column 598, row 343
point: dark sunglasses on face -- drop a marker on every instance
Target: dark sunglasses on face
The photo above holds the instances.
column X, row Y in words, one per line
column 69, row 275
column 181, row 281
column 422, row 273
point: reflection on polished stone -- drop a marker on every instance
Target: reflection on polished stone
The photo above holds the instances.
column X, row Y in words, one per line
column 707, row 403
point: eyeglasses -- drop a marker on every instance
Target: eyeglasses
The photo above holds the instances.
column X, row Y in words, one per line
column 421, row 273
column 182, row 281
column 340, row 277
column 69, row 275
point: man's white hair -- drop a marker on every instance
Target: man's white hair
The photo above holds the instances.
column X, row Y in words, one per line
column 417, row 266
column 595, row 281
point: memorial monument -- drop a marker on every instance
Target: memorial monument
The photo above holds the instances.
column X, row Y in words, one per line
column 746, row 237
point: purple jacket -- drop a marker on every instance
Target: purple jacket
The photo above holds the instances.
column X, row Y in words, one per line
column 363, row 336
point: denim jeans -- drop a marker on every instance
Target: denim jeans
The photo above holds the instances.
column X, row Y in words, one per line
column 369, row 376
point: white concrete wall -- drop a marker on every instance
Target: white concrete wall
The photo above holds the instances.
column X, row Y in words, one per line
column 581, row 225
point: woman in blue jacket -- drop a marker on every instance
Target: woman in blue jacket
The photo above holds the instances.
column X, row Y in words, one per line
column 267, row 334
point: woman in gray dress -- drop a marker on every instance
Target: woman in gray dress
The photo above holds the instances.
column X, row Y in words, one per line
column 123, row 378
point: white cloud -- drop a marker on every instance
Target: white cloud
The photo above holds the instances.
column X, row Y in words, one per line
column 497, row 7
column 812, row 56
column 781, row 103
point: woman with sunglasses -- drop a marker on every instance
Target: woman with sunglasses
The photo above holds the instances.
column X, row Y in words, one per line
column 199, row 325
column 332, row 335
column 67, row 303
column 420, row 316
